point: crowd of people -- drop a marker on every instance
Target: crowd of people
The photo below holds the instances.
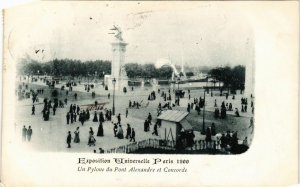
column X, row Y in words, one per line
column 166, row 103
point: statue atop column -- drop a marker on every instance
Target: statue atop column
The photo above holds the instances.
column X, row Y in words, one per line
column 117, row 33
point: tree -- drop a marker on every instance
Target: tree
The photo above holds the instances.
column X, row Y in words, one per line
column 165, row 72
column 233, row 78
column 149, row 71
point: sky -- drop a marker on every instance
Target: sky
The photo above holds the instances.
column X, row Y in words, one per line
column 197, row 34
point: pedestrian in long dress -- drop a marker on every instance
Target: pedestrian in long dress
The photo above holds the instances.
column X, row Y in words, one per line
column 76, row 138
column 115, row 129
column 95, row 117
column 132, row 137
column 69, row 139
column 92, row 140
column 29, row 133
column 24, row 133
column 120, row 134
column 101, row 117
column 126, row 112
column 100, row 129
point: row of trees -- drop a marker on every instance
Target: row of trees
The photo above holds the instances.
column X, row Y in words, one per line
column 135, row 70
column 68, row 67
column 232, row 77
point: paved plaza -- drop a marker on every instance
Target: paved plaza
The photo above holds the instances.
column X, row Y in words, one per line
column 51, row 135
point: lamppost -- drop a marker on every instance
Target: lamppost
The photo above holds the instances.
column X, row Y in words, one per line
column 88, row 86
column 178, row 95
column 203, row 125
column 103, row 83
column 113, row 108
column 31, row 74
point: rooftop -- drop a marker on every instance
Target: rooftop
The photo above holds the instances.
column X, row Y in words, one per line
column 173, row 115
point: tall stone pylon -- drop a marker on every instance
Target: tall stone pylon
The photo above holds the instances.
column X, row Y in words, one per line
column 118, row 61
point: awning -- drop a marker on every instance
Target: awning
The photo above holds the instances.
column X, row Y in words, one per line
column 186, row 125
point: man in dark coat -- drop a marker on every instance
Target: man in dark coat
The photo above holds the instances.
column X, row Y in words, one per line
column 119, row 118
column 29, row 133
column 149, row 117
column 69, row 139
column 132, row 137
column 87, row 114
column 72, row 117
column 155, row 130
column 198, row 108
column 128, row 131
column 208, row 136
column 146, row 126
column 78, row 109
column 126, row 112
column 54, row 110
column 71, row 108
column 33, row 110
column 223, row 141
column 74, row 108
column 68, row 118
column 75, row 117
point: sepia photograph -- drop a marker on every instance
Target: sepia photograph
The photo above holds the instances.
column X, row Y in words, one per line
column 150, row 82
column 141, row 93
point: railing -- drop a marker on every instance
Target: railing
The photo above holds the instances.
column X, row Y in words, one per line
column 164, row 145
column 149, row 143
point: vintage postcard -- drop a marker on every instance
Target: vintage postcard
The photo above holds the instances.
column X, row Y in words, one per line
column 141, row 93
